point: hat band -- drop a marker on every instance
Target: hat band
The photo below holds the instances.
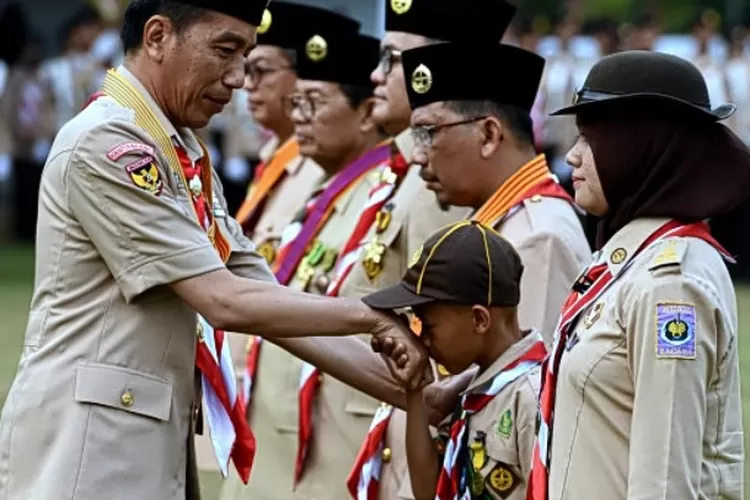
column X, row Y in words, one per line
column 586, row 95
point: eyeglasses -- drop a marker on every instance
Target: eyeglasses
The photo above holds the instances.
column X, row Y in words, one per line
column 257, row 72
column 424, row 135
column 388, row 58
column 307, row 105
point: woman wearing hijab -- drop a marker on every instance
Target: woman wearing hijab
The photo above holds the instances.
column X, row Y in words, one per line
column 641, row 394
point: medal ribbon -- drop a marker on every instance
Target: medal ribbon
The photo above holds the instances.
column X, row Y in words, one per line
column 225, row 413
column 452, row 483
column 593, row 282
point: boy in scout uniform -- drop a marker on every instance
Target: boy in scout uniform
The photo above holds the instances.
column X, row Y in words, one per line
column 412, row 213
column 483, row 124
column 331, row 108
column 464, row 287
column 140, row 271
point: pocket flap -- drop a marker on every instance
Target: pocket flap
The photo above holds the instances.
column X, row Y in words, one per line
column 124, row 389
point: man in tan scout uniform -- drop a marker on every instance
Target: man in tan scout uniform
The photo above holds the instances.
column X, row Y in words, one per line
column 412, row 214
column 284, row 179
column 502, row 178
column 333, row 124
column 465, row 288
column 132, row 243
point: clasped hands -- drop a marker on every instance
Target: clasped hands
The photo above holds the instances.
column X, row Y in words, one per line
column 403, row 351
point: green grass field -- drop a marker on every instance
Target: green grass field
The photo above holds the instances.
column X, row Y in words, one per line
column 16, row 272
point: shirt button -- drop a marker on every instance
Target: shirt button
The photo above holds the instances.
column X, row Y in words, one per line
column 127, row 399
column 386, row 455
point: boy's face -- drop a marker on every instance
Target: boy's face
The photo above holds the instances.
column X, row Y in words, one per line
column 451, row 334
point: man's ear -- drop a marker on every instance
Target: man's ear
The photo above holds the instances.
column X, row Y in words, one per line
column 493, row 134
column 366, row 123
column 156, row 32
column 482, row 319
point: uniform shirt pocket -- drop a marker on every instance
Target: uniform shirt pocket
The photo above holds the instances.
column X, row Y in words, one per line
column 124, row 389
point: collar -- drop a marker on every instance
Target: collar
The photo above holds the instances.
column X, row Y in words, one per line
column 184, row 137
column 504, row 198
column 290, row 148
column 405, row 144
column 621, row 247
column 513, row 353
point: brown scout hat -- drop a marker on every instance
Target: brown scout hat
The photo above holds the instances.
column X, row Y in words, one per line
column 464, row 263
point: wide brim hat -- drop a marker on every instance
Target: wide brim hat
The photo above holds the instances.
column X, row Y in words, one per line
column 645, row 82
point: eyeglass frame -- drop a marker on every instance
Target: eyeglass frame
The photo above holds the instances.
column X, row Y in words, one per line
column 252, row 70
column 388, row 57
column 293, row 101
column 424, row 135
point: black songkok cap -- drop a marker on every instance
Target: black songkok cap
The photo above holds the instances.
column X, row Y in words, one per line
column 450, row 20
column 471, row 72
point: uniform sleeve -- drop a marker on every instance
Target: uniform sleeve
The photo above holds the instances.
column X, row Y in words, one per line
column 244, row 260
column 117, row 192
column 549, row 271
column 528, row 408
column 671, row 324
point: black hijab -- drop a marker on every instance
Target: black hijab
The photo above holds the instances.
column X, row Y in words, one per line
column 666, row 167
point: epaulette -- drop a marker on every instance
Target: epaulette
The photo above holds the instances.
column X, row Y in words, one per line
column 670, row 255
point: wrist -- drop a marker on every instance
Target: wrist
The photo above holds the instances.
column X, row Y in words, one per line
column 368, row 319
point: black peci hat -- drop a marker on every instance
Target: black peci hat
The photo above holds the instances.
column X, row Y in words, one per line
column 450, row 21
column 250, row 11
column 464, row 263
column 642, row 81
column 326, row 53
column 470, row 71
column 284, row 22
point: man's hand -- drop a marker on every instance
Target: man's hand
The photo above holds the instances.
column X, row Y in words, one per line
column 405, row 355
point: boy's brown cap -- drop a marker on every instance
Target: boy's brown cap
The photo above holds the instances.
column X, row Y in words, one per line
column 464, row 263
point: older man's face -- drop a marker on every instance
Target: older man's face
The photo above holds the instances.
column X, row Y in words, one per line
column 202, row 66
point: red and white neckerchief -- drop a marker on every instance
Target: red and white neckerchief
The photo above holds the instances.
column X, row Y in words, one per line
column 452, row 481
column 364, row 478
column 391, row 174
column 592, row 283
column 229, row 431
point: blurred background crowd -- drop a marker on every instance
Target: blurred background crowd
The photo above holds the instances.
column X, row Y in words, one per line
column 54, row 54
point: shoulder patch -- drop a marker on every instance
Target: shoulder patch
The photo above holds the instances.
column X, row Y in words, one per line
column 675, row 330
column 671, row 253
column 121, row 150
column 145, row 174
column 502, row 480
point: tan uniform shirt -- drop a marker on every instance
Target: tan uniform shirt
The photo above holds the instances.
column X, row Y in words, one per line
column 507, row 425
column 274, row 408
column 103, row 400
column 648, row 394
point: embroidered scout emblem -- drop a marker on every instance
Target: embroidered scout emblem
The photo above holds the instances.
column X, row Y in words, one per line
column 145, row 174
column 316, row 48
column 383, row 219
column 265, row 22
column 373, row 258
column 618, row 256
column 421, row 79
column 505, row 424
column 671, row 254
column 121, row 150
column 400, row 6
column 675, row 331
column 502, row 480
column 593, row 315
column 415, row 256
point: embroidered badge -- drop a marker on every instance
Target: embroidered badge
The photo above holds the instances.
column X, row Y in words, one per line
column 121, row 150
column 675, row 331
column 373, row 258
column 593, row 315
column 505, row 424
column 145, row 174
column 502, row 480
